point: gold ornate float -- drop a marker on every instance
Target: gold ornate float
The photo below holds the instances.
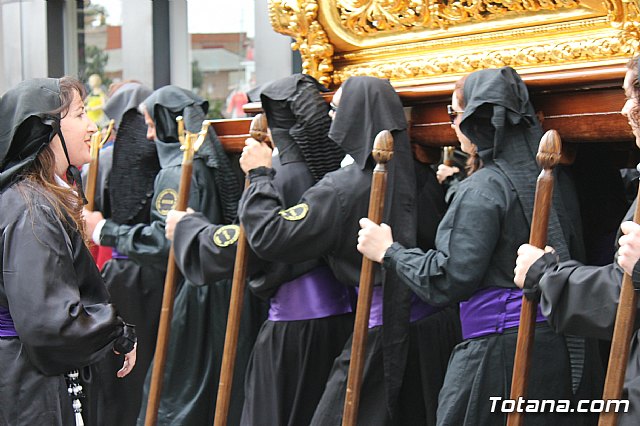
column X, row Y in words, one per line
column 415, row 42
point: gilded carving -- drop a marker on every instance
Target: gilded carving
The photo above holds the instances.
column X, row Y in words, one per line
column 418, row 41
column 376, row 16
column 457, row 64
column 298, row 19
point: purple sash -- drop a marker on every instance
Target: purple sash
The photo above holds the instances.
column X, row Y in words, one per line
column 6, row 323
column 316, row 294
column 492, row 310
column 419, row 309
column 115, row 254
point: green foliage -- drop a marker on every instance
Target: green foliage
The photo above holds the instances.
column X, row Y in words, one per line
column 215, row 109
column 196, row 75
column 95, row 61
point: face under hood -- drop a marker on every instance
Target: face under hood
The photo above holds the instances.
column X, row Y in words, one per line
column 167, row 103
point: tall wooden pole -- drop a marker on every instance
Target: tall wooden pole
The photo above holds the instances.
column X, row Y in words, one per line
column 258, row 132
column 97, row 142
column 548, row 157
column 382, row 153
column 190, row 142
column 620, row 344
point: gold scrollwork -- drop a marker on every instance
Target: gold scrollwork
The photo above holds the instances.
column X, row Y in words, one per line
column 528, row 56
column 298, row 19
column 377, row 16
column 625, row 15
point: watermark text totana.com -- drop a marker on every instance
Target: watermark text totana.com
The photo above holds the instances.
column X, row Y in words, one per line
column 522, row 405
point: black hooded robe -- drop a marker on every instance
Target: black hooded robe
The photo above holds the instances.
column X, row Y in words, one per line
column 291, row 360
column 325, row 223
column 476, row 247
column 200, row 312
column 49, row 284
column 136, row 289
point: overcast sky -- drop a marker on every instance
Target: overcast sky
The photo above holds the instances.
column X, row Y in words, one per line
column 205, row 16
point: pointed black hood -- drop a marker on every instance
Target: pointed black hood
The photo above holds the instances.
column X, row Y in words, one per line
column 27, row 124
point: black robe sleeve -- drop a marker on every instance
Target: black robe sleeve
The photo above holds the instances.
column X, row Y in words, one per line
column 465, row 243
column 578, row 299
column 302, row 232
column 205, row 252
column 55, row 294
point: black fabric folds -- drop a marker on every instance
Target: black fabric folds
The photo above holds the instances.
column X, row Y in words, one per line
column 501, row 97
column 135, row 159
column 126, row 98
column 169, row 102
column 26, row 125
column 299, row 123
column 369, row 105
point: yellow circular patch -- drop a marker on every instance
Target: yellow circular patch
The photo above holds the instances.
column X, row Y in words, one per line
column 226, row 235
column 297, row 212
column 166, row 201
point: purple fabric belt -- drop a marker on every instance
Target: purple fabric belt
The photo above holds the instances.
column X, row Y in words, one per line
column 419, row 309
column 492, row 310
column 6, row 323
column 316, row 294
column 115, row 254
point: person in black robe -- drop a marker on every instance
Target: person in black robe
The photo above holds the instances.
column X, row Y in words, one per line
column 55, row 315
column 126, row 188
column 194, row 353
column 405, row 363
column 309, row 320
column 476, row 246
column 583, row 299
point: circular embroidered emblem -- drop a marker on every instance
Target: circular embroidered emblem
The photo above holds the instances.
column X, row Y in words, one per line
column 226, row 235
column 297, row 212
column 166, row 200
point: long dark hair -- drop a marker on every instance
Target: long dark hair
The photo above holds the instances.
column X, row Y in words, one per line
column 40, row 176
column 474, row 162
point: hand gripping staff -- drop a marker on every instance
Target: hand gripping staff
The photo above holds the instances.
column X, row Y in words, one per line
column 258, row 132
column 97, row 142
column 548, row 157
column 620, row 344
column 190, row 142
column 382, row 153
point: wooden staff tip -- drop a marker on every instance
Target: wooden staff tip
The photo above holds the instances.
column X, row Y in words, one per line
column 549, row 151
column 383, row 147
column 258, row 128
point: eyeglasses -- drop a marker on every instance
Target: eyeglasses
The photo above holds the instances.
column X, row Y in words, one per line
column 453, row 113
column 333, row 107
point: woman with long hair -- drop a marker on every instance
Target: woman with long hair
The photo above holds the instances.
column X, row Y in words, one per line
column 55, row 316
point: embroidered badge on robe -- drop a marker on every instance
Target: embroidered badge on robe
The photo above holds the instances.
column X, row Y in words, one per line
column 297, row 212
column 166, row 200
column 226, row 235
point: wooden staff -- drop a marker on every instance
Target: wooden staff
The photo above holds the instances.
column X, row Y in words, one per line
column 258, row 132
column 548, row 157
column 447, row 155
column 190, row 143
column 620, row 344
column 382, row 153
column 97, row 142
